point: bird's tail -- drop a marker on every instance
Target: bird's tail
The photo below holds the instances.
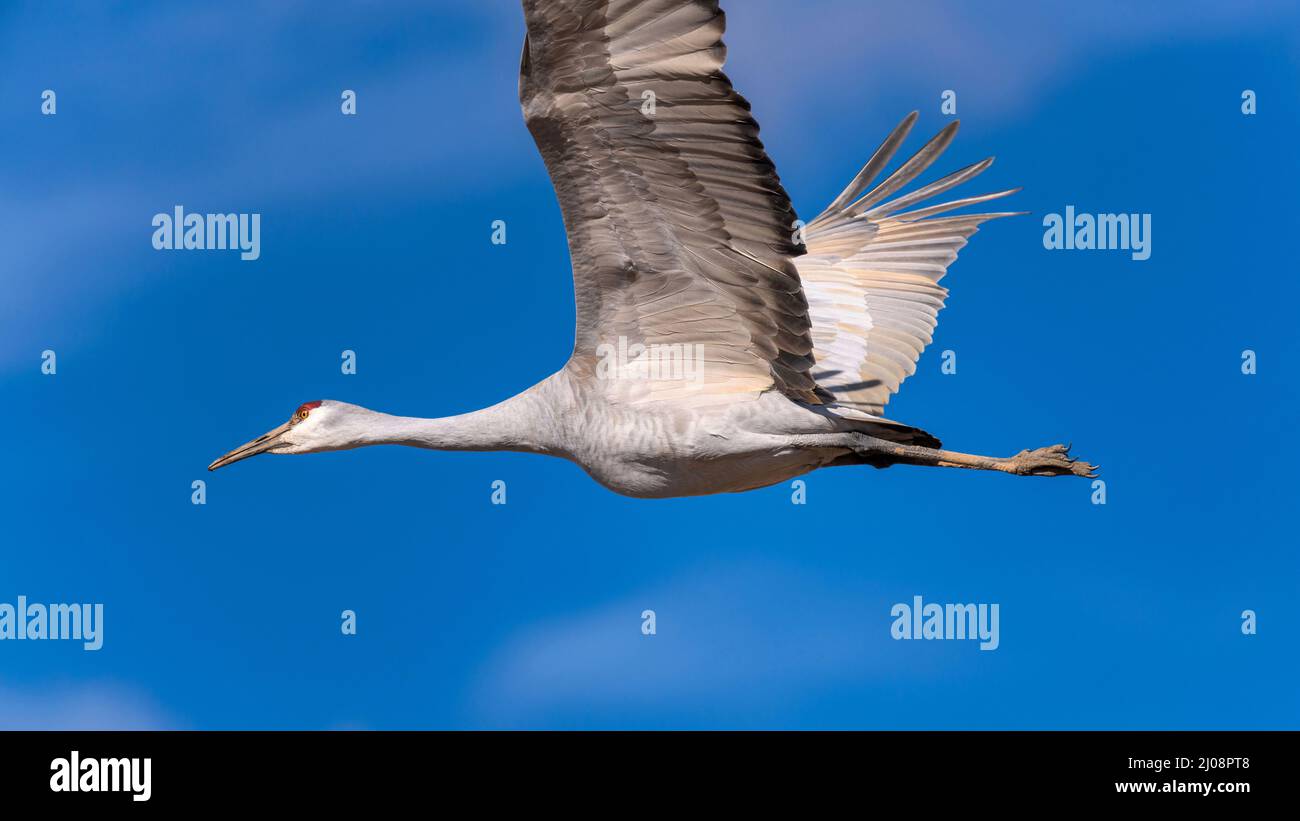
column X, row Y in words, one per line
column 902, row 434
column 887, row 429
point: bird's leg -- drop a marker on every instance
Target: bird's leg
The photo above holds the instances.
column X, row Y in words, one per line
column 1049, row 461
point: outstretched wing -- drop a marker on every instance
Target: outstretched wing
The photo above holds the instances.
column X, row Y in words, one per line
column 679, row 230
column 872, row 271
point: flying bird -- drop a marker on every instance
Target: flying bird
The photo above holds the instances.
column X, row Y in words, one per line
column 721, row 344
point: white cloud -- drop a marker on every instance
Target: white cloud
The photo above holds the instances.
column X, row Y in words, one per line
column 852, row 54
column 85, row 706
column 733, row 636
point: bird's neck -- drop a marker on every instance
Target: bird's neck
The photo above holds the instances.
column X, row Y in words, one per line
column 520, row 423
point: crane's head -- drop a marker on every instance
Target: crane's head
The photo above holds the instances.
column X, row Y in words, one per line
column 313, row 427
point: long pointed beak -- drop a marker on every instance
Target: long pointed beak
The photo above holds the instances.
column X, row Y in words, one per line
column 261, row 444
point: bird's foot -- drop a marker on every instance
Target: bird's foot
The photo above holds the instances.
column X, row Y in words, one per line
column 1052, row 461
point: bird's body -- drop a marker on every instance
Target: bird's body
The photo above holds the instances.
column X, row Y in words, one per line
column 675, row 449
column 722, row 345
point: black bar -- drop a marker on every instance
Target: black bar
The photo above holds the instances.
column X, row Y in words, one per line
column 237, row 769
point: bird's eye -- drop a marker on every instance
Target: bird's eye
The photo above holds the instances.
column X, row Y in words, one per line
column 302, row 415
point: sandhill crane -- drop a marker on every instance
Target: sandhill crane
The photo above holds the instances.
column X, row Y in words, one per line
column 721, row 345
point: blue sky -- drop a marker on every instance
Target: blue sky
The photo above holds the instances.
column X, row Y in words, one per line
column 375, row 238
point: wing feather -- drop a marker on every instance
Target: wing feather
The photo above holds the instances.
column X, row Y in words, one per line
column 873, row 269
column 679, row 230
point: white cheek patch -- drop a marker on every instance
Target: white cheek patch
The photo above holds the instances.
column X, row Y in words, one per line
column 303, row 436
